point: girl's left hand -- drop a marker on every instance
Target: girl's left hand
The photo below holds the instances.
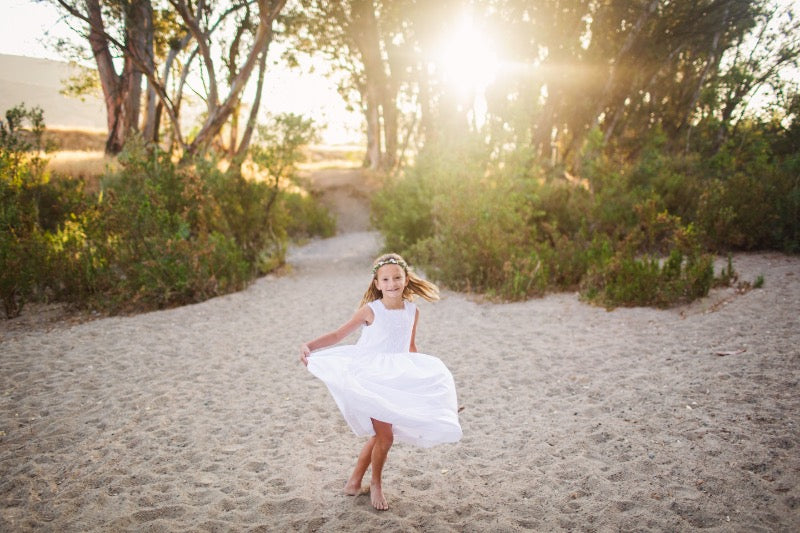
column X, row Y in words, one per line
column 304, row 353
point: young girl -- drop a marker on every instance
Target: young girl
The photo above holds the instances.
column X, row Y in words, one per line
column 383, row 388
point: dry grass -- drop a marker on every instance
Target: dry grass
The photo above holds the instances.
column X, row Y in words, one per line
column 79, row 153
column 321, row 156
column 77, row 164
column 76, row 139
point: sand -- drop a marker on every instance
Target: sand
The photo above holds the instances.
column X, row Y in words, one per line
column 201, row 418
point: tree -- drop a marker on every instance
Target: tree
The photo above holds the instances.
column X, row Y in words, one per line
column 121, row 90
column 630, row 67
column 200, row 24
column 370, row 41
column 753, row 63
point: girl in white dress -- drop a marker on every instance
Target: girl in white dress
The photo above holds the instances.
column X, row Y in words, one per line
column 382, row 386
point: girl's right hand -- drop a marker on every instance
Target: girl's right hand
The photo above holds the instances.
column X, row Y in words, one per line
column 304, row 353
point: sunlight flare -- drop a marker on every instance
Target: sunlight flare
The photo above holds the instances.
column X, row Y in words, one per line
column 468, row 64
column 467, row 58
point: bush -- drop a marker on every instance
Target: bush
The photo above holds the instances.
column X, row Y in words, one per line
column 179, row 234
column 158, row 234
column 650, row 281
column 21, row 178
column 459, row 223
column 477, row 233
column 154, row 234
column 305, row 216
column 489, row 227
column 749, row 194
column 635, row 227
column 405, row 222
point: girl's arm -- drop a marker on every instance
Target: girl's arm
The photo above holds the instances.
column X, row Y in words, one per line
column 413, row 346
column 361, row 317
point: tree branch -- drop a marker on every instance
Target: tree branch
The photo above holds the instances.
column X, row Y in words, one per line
column 203, row 38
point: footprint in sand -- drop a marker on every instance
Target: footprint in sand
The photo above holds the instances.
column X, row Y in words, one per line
column 421, row 484
column 149, row 515
column 293, row 506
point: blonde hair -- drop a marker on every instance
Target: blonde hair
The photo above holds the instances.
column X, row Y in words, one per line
column 416, row 286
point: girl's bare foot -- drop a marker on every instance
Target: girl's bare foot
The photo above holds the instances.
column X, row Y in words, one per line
column 353, row 488
column 378, row 500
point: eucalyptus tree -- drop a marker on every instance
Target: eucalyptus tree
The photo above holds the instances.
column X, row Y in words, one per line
column 673, row 59
column 381, row 46
column 216, row 45
column 757, row 62
column 626, row 67
column 133, row 31
column 673, row 64
column 347, row 34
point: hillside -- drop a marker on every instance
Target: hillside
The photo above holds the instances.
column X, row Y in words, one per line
column 37, row 82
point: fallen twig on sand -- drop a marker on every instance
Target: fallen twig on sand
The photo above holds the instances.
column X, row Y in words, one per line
column 731, row 352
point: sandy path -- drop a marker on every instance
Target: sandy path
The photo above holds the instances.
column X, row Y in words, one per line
column 346, row 193
column 201, row 419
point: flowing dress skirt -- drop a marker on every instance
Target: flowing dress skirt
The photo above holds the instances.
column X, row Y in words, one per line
column 414, row 392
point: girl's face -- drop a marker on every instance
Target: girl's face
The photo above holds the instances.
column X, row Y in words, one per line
column 391, row 280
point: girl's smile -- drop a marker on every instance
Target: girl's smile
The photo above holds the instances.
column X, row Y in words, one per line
column 391, row 280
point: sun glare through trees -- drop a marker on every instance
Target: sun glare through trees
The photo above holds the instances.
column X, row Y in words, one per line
column 468, row 64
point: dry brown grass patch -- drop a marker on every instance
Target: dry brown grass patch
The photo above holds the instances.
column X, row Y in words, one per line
column 76, row 139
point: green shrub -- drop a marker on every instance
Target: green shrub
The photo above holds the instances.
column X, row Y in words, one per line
column 751, row 197
column 22, row 175
column 403, row 211
column 477, row 233
column 242, row 209
column 74, row 267
column 650, row 281
column 158, row 234
column 634, row 227
column 174, row 234
column 277, row 150
column 512, row 233
column 660, row 263
column 727, row 276
column 305, row 216
column 169, row 234
column 459, row 223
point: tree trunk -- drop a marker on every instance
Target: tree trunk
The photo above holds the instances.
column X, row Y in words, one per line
column 712, row 63
column 109, row 79
column 116, row 126
column 121, row 92
column 606, row 94
column 174, row 50
column 380, row 102
column 140, row 35
column 389, row 107
column 204, row 44
column 373, row 155
column 244, row 144
column 426, row 110
column 132, row 96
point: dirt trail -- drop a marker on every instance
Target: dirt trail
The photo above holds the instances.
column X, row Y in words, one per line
column 345, row 191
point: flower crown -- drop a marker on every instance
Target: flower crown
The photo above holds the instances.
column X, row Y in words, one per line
column 389, row 261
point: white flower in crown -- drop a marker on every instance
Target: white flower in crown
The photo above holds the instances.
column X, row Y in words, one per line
column 389, row 261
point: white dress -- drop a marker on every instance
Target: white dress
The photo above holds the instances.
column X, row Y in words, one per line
column 379, row 378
